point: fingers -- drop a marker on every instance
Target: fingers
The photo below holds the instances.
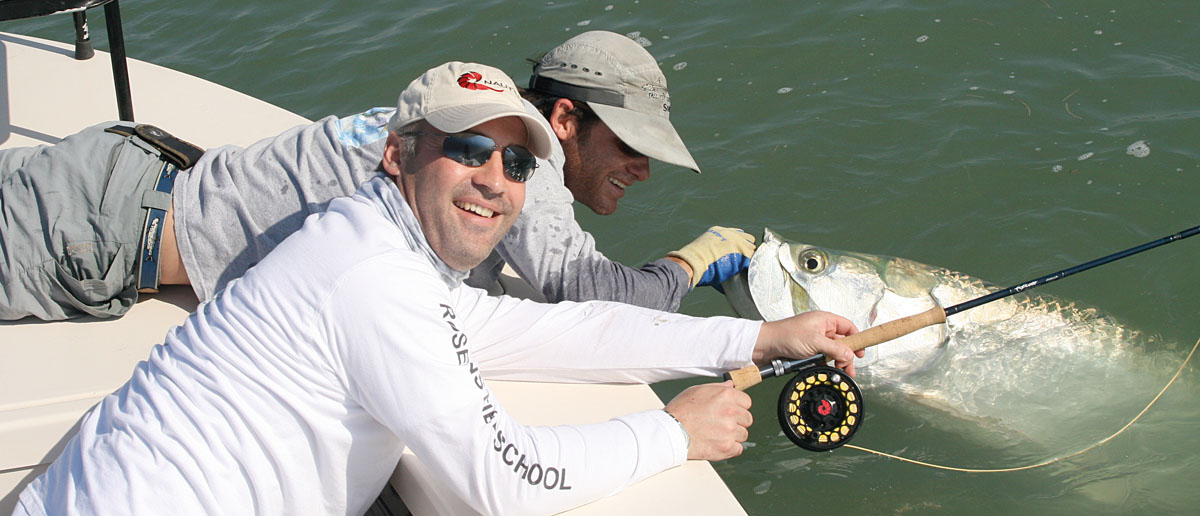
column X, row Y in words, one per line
column 805, row 335
column 741, row 240
column 716, row 255
column 847, row 366
column 717, row 418
column 842, row 356
column 842, row 326
column 742, row 401
column 831, row 346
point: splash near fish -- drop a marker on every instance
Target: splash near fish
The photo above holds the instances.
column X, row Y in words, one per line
column 1027, row 366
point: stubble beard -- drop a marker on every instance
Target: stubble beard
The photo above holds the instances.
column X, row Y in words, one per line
column 585, row 189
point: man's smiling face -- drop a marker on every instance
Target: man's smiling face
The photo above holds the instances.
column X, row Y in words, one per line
column 463, row 211
column 599, row 167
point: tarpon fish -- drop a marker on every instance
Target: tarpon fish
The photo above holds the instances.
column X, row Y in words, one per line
column 1019, row 359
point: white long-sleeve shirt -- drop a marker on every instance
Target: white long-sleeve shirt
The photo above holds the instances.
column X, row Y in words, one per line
column 296, row 388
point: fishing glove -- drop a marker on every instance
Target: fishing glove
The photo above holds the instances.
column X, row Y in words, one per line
column 717, row 255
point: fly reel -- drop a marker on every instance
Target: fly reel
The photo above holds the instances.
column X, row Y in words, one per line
column 820, row 408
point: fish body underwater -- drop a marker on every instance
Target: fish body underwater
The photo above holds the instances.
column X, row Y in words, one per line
column 1029, row 367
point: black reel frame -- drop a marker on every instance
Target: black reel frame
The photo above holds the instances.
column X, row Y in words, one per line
column 820, row 408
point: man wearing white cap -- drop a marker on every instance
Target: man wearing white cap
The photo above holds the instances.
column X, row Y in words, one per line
column 295, row 390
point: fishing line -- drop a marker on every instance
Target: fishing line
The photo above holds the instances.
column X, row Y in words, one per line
column 1049, row 461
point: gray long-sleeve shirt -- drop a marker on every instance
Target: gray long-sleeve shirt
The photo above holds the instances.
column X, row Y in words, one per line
column 235, row 205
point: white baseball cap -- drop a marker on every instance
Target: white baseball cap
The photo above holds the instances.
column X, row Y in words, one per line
column 622, row 83
column 456, row 96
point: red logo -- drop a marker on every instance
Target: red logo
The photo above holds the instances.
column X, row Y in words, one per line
column 826, row 408
column 474, row 81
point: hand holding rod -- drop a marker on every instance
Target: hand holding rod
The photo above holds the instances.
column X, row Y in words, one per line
column 750, row 376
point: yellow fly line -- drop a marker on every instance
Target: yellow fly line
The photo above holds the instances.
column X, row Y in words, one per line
column 1048, row 461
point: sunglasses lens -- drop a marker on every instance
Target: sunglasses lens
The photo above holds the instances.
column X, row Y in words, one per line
column 519, row 163
column 473, row 150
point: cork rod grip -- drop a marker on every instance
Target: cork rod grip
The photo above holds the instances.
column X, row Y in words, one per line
column 745, row 377
column 894, row 329
column 750, row 376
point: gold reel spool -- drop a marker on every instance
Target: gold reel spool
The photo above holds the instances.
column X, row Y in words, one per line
column 820, row 408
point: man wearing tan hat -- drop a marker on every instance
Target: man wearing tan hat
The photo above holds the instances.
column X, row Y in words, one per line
column 146, row 209
column 606, row 100
column 295, row 390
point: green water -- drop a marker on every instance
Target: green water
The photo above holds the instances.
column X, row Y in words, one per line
column 986, row 137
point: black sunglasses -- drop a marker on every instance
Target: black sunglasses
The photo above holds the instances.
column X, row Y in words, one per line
column 473, row 150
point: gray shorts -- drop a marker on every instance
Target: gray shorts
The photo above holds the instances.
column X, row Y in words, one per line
column 71, row 221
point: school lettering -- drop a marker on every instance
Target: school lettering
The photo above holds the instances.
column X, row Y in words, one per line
column 534, row 474
column 548, row 477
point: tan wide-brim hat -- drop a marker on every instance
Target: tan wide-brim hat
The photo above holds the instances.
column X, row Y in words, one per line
column 456, row 96
column 623, row 84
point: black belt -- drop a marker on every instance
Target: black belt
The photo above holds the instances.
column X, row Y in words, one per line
column 176, row 155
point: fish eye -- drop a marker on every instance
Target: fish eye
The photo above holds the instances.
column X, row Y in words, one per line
column 812, row 261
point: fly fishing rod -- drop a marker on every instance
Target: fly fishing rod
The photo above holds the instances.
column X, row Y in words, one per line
column 821, row 408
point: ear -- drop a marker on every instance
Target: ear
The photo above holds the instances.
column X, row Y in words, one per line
column 564, row 124
column 394, row 155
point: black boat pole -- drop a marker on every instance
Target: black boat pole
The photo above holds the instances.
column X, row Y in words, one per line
column 752, row 375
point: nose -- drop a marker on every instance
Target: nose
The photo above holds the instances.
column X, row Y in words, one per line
column 491, row 177
column 640, row 168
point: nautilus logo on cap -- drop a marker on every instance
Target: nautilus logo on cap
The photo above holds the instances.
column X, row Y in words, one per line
column 475, row 81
